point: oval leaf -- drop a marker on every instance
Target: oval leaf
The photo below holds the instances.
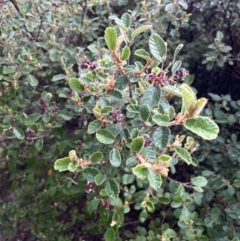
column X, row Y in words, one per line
column 115, row 158
column 177, row 50
column 154, row 179
column 105, row 137
column 183, row 154
column 161, row 119
column 144, row 112
column 176, row 66
column 141, row 171
column 112, row 188
column 157, row 46
column 75, row 85
column 202, row 126
column 62, row 164
column 199, row 181
column 142, row 54
column 96, row 157
column 125, row 53
column 126, row 19
column 140, row 30
column 161, row 137
column 109, row 235
column 188, row 96
column 18, row 132
column 111, row 38
column 137, row 144
column 170, row 89
column 151, row 96
column 94, row 126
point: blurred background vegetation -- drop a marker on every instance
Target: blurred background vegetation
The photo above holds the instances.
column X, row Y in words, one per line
column 40, row 43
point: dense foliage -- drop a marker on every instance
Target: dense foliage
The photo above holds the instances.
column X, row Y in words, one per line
column 100, row 90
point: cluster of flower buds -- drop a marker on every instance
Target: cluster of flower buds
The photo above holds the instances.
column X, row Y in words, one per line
column 87, row 64
column 30, row 134
column 158, row 80
column 43, row 103
column 90, row 187
column 180, row 75
column 148, row 141
column 117, row 116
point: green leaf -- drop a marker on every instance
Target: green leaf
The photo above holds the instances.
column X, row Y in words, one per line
column 126, row 19
column 177, row 50
column 170, row 233
column 112, row 188
column 62, row 164
column 31, row 119
column 170, row 89
column 65, row 115
column 96, row 157
column 183, row 154
column 46, row 117
column 215, row 213
column 115, row 158
column 117, row 202
column 39, row 144
column 202, row 126
column 140, row 30
column 99, row 179
column 58, row 77
column 9, row 69
column 236, row 183
column 106, row 110
column 92, row 205
column 121, row 25
column 75, row 85
column 188, row 96
column 196, row 107
column 164, row 158
column 154, row 179
column 105, row 137
column 161, row 137
column 150, row 207
column 97, row 112
column 137, row 144
column 143, row 216
column 164, row 200
column 18, row 132
column 94, row 126
column 142, row 54
column 199, row 181
column 125, row 53
column 215, row 97
column 133, row 108
column 161, row 119
column 198, row 189
column 32, row 81
column 157, row 47
column 151, row 96
column 111, row 38
column 144, row 112
column 109, row 235
column 176, row 66
column 72, row 167
column 115, row 95
column 141, row 171
column 179, row 194
column 89, row 173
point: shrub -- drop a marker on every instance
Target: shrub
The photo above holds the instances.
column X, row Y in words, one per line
column 124, row 165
